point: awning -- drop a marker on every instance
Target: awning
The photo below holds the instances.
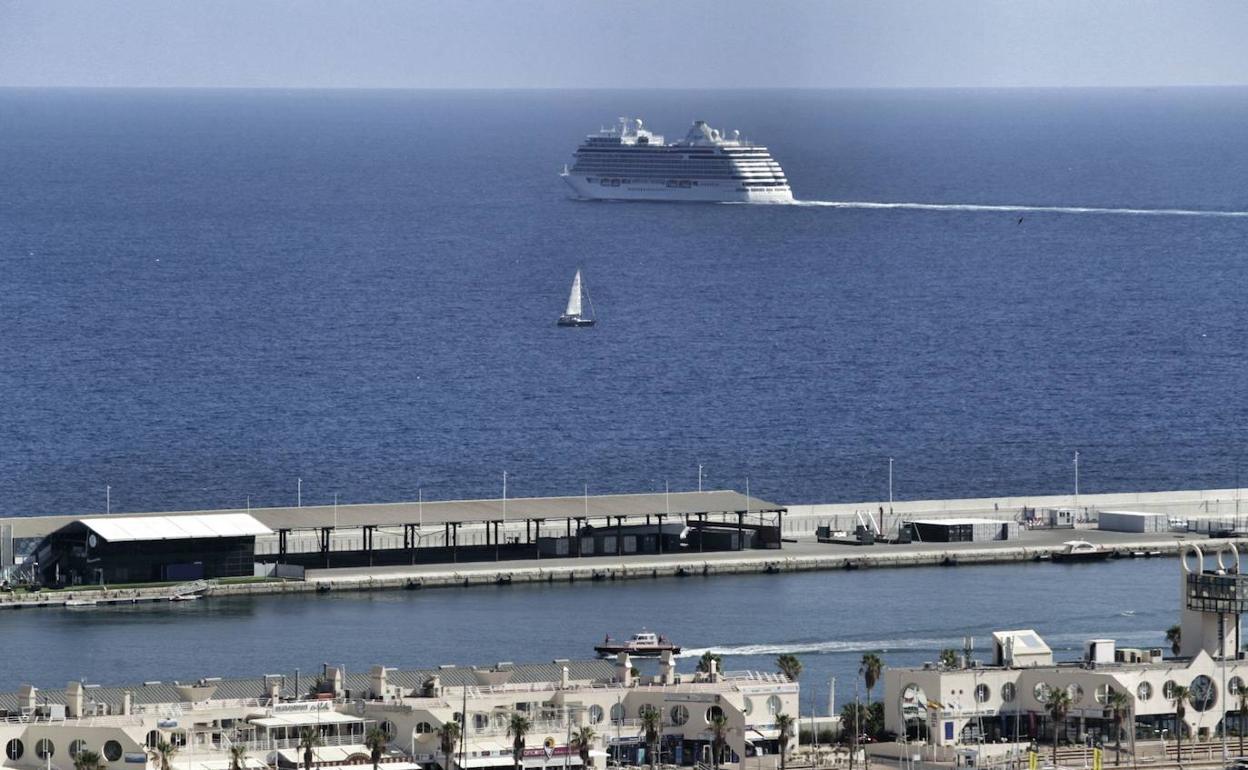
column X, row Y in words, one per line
column 305, row 719
column 326, row 753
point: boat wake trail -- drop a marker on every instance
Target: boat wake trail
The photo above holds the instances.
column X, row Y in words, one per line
column 1058, row 642
column 1021, row 209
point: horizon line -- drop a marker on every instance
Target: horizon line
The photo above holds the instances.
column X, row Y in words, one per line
column 1105, row 87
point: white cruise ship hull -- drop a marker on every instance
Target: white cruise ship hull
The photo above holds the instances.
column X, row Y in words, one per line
column 705, row 192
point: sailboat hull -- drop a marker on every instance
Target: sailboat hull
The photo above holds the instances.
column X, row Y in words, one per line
column 574, row 321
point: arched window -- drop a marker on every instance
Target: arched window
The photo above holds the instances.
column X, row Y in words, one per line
column 1009, row 692
column 680, row 715
column 595, row 714
column 45, row 748
column 617, row 713
column 423, row 728
column 14, row 749
column 1144, row 691
column 982, row 693
column 112, row 751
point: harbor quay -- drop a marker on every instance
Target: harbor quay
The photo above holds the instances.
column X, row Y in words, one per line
column 566, row 713
column 991, row 705
column 183, row 555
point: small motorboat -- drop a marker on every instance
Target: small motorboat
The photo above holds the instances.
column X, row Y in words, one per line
column 574, row 314
column 644, row 644
column 1081, row 550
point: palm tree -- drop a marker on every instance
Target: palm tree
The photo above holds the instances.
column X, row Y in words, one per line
column 165, row 752
column 448, row 738
column 87, row 760
column 949, row 658
column 1057, row 703
column 376, row 739
column 1119, row 703
column 870, row 668
column 652, row 728
column 238, row 756
column 1174, row 635
column 784, row 723
column 309, row 739
column 704, row 662
column 583, row 739
column 1179, row 695
column 790, row 666
column 719, row 738
column 517, row 728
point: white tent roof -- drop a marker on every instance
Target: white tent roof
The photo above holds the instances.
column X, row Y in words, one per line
column 1026, row 641
column 122, row 529
column 305, row 718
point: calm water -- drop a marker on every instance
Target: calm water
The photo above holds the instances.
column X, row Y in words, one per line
column 828, row 619
column 205, row 295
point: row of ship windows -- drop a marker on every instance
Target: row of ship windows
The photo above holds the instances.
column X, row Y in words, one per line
column 682, row 183
column 660, row 175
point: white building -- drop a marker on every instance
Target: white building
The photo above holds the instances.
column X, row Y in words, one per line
column 1003, row 700
column 268, row 718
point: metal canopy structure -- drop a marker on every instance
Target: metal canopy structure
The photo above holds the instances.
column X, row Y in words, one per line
column 126, row 529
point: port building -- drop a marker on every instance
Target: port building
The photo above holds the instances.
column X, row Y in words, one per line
column 66, row 550
column 267, row 717
column 999, row 705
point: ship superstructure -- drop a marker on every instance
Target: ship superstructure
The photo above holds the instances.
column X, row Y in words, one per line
column 630, row 162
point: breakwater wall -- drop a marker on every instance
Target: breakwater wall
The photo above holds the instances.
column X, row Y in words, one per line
column 751, row 564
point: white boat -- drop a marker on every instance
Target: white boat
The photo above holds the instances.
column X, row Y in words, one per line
column 573, row 314
column 80, row 603
column 1082, row 550
column 643, row 644
column 628, row 162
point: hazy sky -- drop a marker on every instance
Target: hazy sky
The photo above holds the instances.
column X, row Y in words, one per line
column 622, row 43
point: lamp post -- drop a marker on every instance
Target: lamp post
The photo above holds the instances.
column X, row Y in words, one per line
column 1076, row 475
column 299, row 492
column 699, row 477
column 890, row 483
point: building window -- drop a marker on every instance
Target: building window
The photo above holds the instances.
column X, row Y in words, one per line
column 680, row 715
column 981, row 693
column 1040, row 692
column 617, row 713
column 153, row 739
column 1234, row 686
column 1102, row 693
column 1203, row 693
column 423, row 728
column 112, row 751
column 14, row 749
column 388, row 728
column 1008, row 692
column 45, row 749
column 480, row 721
column 1144, row 691
column 595, row 714
column 76, row 747
column 1075, row 692
column 715, row 712
column 773, row 705
column 749, row 707
column 1167, row 689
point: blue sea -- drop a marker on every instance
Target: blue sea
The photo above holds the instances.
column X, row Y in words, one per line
column 206, row 295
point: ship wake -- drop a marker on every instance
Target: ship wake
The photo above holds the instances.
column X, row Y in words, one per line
column 1023, row 209
column 1058, row 642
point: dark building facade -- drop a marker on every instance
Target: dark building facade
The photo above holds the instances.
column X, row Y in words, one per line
column 149, row 549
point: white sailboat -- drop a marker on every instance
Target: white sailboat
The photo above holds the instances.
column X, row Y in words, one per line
column 573, row 315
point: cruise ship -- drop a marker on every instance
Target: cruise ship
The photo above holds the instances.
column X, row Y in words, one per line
column 629, row 162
